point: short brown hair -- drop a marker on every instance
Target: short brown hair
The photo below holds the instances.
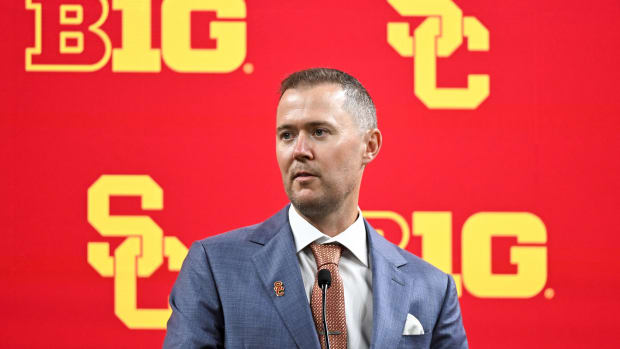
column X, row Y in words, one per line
column 358, row 102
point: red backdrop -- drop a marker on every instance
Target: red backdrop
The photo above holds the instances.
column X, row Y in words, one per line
column 543, row 144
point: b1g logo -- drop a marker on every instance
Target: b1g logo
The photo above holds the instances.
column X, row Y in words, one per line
column 69, row 37
column 439, row 36
column 529, row 256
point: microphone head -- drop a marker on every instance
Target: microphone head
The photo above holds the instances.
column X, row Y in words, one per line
column 324, row 278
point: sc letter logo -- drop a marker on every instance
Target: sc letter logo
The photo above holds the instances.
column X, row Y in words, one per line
column 439, row 36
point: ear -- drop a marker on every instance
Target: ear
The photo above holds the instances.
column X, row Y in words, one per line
column 372, row 145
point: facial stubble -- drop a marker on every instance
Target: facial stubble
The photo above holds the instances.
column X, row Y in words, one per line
column 321, row 206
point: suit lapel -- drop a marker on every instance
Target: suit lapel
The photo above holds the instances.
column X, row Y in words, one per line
column 277, row 261
column 390, row 291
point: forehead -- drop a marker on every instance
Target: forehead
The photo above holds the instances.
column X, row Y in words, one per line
column 323, row 102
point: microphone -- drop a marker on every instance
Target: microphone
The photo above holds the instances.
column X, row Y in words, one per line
column 324, row 279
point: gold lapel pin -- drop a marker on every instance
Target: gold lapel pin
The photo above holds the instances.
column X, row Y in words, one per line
column 278, row 287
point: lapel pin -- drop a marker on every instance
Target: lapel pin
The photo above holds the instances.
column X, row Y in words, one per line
column 278, row 287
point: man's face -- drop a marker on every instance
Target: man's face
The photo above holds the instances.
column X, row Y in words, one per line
column 320, row 149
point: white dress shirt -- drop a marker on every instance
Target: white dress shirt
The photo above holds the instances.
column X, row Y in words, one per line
column 354, row 269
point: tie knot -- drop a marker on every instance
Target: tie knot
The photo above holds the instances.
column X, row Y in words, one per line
column 326, row 254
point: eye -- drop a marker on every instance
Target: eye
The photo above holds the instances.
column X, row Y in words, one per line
column 286, row 135
column 320, row 132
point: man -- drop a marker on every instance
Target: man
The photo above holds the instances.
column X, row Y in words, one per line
column 255, row 287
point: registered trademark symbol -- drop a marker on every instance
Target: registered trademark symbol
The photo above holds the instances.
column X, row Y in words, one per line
column 549, row 293
column 248, row 68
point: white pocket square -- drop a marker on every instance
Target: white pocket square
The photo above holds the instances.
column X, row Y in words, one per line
column 413, row 327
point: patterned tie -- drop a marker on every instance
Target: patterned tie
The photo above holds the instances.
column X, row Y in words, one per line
column 327, row 257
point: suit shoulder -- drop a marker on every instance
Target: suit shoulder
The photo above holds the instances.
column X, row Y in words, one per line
column 422, row 270
column 231, row 236
column 404, row 260
column 414, row 267
column 419, row 263
column 259, row 232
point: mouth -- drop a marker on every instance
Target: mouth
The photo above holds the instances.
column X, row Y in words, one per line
column 301, row 175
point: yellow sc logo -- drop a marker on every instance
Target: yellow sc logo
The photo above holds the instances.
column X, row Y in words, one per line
column 136, row 54
column 439, row 36
column 145, row 243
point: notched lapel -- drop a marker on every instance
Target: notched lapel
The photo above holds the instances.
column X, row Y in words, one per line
column 277, row 261
column 391, row 292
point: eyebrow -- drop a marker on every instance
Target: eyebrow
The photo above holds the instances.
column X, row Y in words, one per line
column 309, row 124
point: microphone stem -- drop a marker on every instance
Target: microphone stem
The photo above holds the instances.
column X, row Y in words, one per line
column 324, row 289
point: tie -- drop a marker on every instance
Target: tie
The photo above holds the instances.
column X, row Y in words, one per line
column 327, row 257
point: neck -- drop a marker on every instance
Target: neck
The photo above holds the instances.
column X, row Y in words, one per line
column 336, row 221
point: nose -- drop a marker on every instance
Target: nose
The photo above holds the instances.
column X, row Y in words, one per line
column 303, row 148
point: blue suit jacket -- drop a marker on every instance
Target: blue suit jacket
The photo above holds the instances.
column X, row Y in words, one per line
column 224, row 295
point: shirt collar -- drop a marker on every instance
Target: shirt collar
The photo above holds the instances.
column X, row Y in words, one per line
column 353, row 238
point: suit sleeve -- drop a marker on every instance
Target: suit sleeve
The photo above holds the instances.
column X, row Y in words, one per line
column 449, row 331
column 196, row 320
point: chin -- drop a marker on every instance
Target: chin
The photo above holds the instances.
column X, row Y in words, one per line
column 305, row 201
column 311, row 206
column 304, row 196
